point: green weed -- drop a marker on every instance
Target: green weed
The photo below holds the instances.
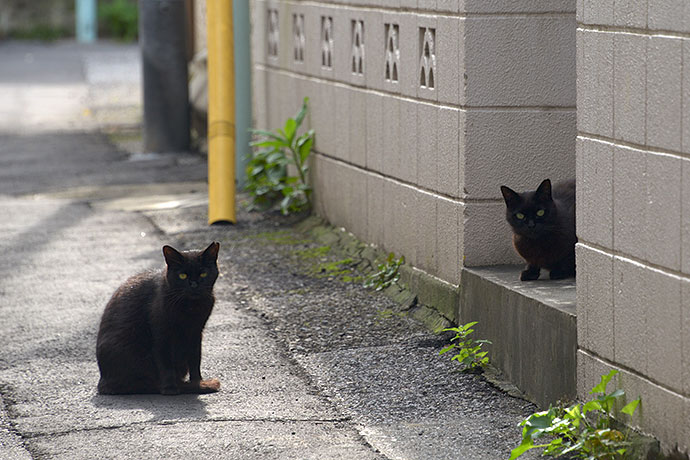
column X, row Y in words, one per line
column 387, row 273
column 469, row 350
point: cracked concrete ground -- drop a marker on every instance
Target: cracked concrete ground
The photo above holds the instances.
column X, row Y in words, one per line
column 312, row 367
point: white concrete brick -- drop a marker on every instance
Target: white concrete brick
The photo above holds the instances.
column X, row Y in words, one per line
column 449, row 40
column 427, row 147
column 595, row 301
column 324, row 120
column 374, row 132
column 392, row 239
column 487, row 238
column 663, row 226
column 342, row 40
column 425, row 218
column 580, row 77
column 375, row 44
column 630, row 57
column 407, row 166
column 259, row 102
column 510, row 6
column 596, row 84
column 342, row 122
column 401, row 234
column 631, row 302
column 685, row 103
column 447, row 6
column 664, row 326
column 499, row 143
column 664, row 92
column 685, row 217
column 312, row 32
column 358, row 127
column 685, row 333
column 357, row 199
column 448, row 164
column 273, row 97
column 629, row 201
column 410, row 4
column 448, row 239
column 391, row 136
column 375, row 209
column 598, row 11
column 285, row 33
column 595, row 193
column 669, row 15
column 409, row 54
column 507, row 63
column 630, row 13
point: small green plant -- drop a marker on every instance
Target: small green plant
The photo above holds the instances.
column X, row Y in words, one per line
column 119, row 18
column 469, row 350
column 572, row 432
column 267, row 172
column 386, row 273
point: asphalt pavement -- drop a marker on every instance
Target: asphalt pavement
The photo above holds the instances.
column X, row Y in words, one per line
column 312, row 366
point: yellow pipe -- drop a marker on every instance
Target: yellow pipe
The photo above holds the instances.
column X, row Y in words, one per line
column 221, row 112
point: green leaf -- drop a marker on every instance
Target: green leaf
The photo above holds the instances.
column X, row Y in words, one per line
column 591, row 405
column 631, row 407
column 305, row 150
column 290, row 128
column 274, row 136
column 302, row 112
column 605, row 379
column 521, row 449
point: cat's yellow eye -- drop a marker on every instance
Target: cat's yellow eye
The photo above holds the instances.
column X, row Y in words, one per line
column 540, row 213
column 203, row 274
column 183, row 276
column 520, row 215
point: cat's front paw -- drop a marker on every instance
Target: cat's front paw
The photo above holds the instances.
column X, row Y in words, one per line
column 170, row 390
column 529, row 275
column 209, row 385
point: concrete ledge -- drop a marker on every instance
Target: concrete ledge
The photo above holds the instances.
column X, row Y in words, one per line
column 532, row 326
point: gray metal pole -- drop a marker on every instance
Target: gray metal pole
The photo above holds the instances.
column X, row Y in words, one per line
column 243, row 88
column 163, row 49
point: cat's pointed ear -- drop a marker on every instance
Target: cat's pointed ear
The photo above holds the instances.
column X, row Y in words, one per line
column 511, row 198
column 211, row 252
column 543, row 192
column 172, row 256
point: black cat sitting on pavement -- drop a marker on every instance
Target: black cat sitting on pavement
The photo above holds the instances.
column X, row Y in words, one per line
column 149, row 339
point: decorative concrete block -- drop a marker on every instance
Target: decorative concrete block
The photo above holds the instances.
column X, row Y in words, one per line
column 312, row 33
column 342, row 43
column 327, row 42
column 506, row 62
column 669, row 15
column 629, row 201
column 664, row 329
column 598, row 11
column 685, row 218
column 595, row 301
column 259, row 31
column 664, row 58
column 407, row 166
column 498, row 144
column 631, row 313
column 449, row 40
column 374, row 56
column 487, row 238
column 374, row 132
column 375, row 209
column 358, row 127
column 630, row 13
column 629, row 87
column 428, row 58
column 298, row 40
column 448, row 239
column 663, row 226
column 596, row 84
column 284, row 34
column 595, row 193
column 409, row 54
column 342, row 122
column 391, row 136
column 359, row 32
column 424, row 233
column 427, row 153
column 388, row 68
column 448, row 161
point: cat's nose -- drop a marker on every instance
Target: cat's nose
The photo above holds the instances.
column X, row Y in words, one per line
column 193, row 284
column 530, row 224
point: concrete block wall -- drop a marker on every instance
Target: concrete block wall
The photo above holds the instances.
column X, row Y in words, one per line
column 422, row 109
column 633, row 174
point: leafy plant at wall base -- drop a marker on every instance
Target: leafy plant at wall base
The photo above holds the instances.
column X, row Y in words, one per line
column 469, row 350
column 572, row 432
column 386, row 273
column 268, row 181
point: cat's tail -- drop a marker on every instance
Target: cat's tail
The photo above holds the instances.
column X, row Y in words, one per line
column 201, row 387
